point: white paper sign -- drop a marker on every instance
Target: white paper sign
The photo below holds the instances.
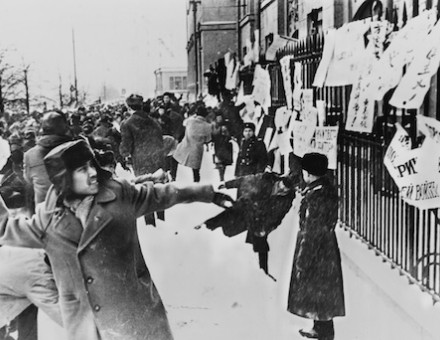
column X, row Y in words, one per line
column 287, row 80
column 360, row 114
column 348, row 54
column 297, row 86
column 415, row 83
column 327, row 55
column 404, row 44
column 261, row 91
column 416, row 172
column 308, row 138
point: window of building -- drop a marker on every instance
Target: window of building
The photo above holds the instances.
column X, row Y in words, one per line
column 178, row 83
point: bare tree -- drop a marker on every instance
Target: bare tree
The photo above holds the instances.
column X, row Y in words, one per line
column 10, row 78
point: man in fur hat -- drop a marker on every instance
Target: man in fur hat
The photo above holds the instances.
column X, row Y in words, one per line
column 316, row 287
column 87, row 225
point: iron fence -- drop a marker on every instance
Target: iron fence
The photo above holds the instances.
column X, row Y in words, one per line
column 370, row 208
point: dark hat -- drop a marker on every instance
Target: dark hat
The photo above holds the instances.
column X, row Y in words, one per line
column 249, row 126
column 135, row 100
column 169, row 94
column 315, row 163
column 63, row 159
column 54, row 123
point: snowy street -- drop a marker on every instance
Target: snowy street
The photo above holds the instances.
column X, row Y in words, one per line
column 213, row 289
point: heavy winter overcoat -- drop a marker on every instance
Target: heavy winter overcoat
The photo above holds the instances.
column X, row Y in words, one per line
column 33, row 165
column 189, row 152
column 142, row 140
column 261, row 206
column 316, row 287
column 105, row 288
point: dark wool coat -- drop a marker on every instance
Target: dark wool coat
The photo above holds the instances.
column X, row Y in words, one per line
column 105, row 288
column 261, row 206
column 316, row 287
column 33, row 165
column 142, row 139
column 252, row 157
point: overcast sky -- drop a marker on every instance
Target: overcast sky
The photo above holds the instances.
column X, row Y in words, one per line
column 119, row 43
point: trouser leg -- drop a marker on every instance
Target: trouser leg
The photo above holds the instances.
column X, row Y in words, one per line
column 173, row 168
column 196, row 175
column 27, row 324
column 263, row 260
column 325, row 329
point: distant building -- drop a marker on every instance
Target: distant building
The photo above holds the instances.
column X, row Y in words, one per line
column 212, row 31
column 172, row 80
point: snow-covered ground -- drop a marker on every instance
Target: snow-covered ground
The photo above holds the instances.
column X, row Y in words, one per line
column 213, row 289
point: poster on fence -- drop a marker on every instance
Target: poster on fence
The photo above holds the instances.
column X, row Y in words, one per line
column 416, row 172
column 322, row 139
column 327, row 55
column 360, row 115
column 404, row 44
column 287, row 79
column 297, row 86
column 261, row 91
column 412, row 89
column 348, row 54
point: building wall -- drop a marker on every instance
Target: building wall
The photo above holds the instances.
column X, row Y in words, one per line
column 214, row 45
column 210, row 13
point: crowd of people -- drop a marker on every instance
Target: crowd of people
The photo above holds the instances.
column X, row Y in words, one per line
column 69, row 222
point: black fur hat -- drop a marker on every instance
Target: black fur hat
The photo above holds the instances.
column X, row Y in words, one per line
column 315, row 163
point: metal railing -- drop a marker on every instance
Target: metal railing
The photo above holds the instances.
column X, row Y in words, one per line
column 370, row 207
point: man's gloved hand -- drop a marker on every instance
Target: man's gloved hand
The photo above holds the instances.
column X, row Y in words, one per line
column 222, row 200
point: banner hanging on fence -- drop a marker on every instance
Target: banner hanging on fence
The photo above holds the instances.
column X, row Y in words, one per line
column 360, row 114
column 261, row 91
column 416, row 172
column 287, row 79
column 348, row 54
column 404, row 44
column 327, row 55
column 322, row 139
column 297, row 86
column 412, row 89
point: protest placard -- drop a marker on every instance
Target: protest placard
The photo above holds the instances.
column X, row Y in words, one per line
column 404, row 43
column 412, row 89
column 327, row 55
column 348, row 54
column 287, row 80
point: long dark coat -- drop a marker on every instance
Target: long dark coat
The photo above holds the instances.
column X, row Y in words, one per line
column 316, row 287
column 141, row 137
column 105, row 288
column 261, row 206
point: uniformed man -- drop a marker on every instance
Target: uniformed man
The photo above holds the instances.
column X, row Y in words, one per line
column 252, row 157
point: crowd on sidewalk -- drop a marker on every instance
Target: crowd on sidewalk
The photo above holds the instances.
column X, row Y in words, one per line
column 68, row 223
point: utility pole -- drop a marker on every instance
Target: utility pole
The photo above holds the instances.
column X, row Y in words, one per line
column 74, row 66
column 26, row 86
column 196, row 45
column 60, row 92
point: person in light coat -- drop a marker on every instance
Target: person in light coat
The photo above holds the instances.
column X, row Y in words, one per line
column 87, row 225
column 189, row 151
